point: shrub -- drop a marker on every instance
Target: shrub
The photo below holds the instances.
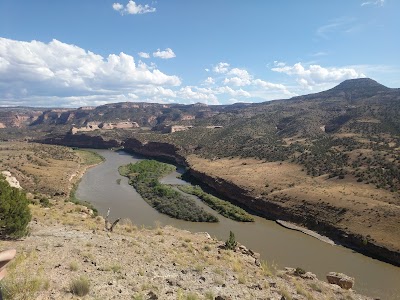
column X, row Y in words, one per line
column 44, row 202
column 73, row 266
column 80, row 286
column 231, row 243
column 299, row 271
column 14, row 211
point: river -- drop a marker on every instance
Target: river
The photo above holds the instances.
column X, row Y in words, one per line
column 276, row 244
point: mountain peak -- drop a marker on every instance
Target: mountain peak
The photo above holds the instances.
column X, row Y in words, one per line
column 360, row 84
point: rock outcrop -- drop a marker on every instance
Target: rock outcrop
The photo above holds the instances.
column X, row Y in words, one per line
column 82, row 141
column 155, row 149
column 91, row 126
column 12, row 181
column 340, row 279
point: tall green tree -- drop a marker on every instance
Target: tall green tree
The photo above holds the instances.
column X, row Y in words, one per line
column 14, row 211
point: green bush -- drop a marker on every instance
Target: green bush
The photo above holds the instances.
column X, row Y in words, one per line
column 44, row 202
column 299, row 271
column 14, row 211
column 231, row 243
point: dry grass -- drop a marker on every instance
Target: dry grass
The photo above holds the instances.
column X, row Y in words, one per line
column 45, row 169
column 17, row 285
column 80, row 286
column 367, row 210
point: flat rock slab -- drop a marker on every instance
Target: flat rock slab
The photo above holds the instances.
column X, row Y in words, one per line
column 340, row 279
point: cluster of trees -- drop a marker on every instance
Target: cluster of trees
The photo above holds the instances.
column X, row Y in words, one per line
column 225, row 208
column 382, row 171
column 144, row 177
column 321, row 158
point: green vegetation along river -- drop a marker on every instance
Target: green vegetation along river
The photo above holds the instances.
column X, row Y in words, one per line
column 144, row 177
column 276, row 244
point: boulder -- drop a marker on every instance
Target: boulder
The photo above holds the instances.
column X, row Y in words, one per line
column 309, row 275
column 340, row 279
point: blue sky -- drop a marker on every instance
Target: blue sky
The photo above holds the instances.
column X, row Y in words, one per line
column 78, row 53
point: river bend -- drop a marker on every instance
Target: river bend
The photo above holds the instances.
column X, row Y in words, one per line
column 276, row 244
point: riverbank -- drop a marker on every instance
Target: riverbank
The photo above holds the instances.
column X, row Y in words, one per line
column 89, row 159
column 305, row 231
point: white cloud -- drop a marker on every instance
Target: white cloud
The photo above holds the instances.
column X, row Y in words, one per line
column 232, row 101
column 144, row 55
column 272, row 86
column 187, row 92
column 279, row 63
column 132, row 8
column 315, row 75
column 317, row 54
column 157, row 91
column 221, row 68
column 240, row 77
column 377, row 3
column 231, row 77
column 117, row 6
column 209, row 81
column 56, row 69
column 234, row 93
column 165, row 54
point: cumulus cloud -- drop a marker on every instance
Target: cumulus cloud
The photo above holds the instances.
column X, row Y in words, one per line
column 234, row 93
column 279, row 63
column 56, row 69
column 193, row 93
column 117, row 6
column 240, row 77
column 156, row 91
column 231, row 78
column 132, row 8
column 221, row 68
column 272, row 86
column 144, row 55
column 314, row 75
column 377, row 3
column 165, row 54
column 209, row 81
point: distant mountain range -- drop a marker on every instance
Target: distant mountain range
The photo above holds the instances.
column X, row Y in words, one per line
column 350, row 100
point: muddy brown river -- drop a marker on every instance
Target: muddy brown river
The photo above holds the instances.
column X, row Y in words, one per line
column 276, row 244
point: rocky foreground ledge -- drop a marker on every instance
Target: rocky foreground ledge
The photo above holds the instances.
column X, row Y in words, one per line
column 66, row 245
